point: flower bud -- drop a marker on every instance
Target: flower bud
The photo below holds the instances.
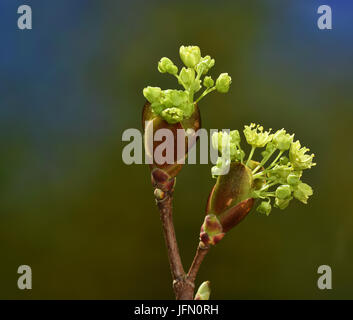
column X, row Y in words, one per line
column 152, row 122
column 230, row 189
column 211, row 230
column 162, row 182
column 221, row 167
column 235, row 137
column 282, row 140
column 205, row 64
column 187, row 76
column 283, row 160
column 294, row 178
column 283, row 192
column 223, row 83
column 152, row 94
column 159, row 194
column 302, row 192
column 172, row 115
column 190, row 55
column 279, row 174
column 166, row 65
column 270, row 147
column 222, row 141
column 157, row 107
column 208, row 82
column 230, row 199
column 196, row 86
column 172, row 69
column 282, row 203
column 204, row 291
column 264, row 207
column 177, row 97
column 187, row 108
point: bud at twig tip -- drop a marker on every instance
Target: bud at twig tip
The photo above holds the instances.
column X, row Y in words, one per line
column 204, row 291
column 159, row 194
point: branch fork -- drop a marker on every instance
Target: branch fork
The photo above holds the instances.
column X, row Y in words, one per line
column 183, row 283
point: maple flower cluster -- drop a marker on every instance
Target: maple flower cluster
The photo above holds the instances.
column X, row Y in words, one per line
column 278, row 175
column 177, row 105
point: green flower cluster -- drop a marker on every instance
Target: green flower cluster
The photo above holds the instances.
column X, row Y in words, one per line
column 281, row 179
column 176, row 105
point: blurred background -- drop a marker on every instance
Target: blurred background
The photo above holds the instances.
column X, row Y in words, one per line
column 87, row 224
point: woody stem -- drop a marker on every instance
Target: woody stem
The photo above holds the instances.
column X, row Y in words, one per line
column 201, row 252
column 183, row 288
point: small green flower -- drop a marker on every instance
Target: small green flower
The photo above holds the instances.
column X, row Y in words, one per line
column 294, row 178
column 302, row 192
column 221, row 167
column 187, row 76
column 167, row 98
column 152, row 94
column 270, row 148
column 220, row 139
column 172, row 115
column 161, row 100
column 283, row 160
column 283, row 192
column 175, row 98
column 280, row 179
column 282, row 203
column 196, row 86
column 235, row 137
column 187, row 108
column 166, row 65
column 205, row 64
column 256, row 137
column 264, row 207
column 282, row 140
column 217, row 140
column 236, row 153
column 190, row 55
column 228, row 144
column 279, row 174
column 223, row 83
column 157, row 108
column 208, row 82
column 298, row 158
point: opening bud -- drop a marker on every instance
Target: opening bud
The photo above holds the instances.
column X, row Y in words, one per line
column 204, row 291
column 223, row 83
column 190, row 55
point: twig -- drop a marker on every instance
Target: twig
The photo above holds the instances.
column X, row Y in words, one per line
column 183, row 288
column 183, row 284
column 166, row 209
column 201, row 252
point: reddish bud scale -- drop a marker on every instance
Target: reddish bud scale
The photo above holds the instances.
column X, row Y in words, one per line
column 211, row 230
column 162, row 181
column 229, row 202
column 194, row 123
column 230, row 189
column 230, row 218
